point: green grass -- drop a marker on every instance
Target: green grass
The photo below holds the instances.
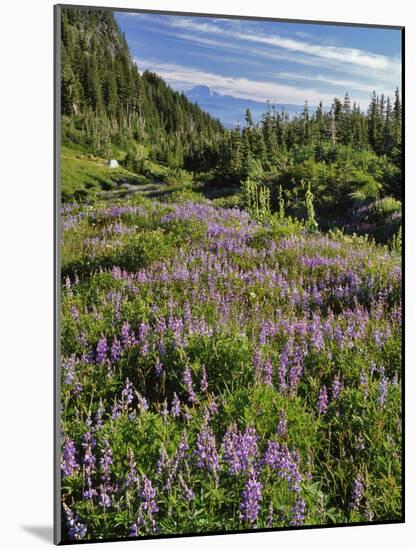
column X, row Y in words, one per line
column 83, row 177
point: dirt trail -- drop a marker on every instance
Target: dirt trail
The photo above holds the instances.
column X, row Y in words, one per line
column 128, row 189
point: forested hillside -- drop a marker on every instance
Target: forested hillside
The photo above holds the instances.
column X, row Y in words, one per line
column 107, row 102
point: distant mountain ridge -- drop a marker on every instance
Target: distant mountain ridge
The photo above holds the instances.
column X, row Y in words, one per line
column 230, row 110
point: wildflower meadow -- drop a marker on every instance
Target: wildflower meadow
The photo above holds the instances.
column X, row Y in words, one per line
column 222, row 372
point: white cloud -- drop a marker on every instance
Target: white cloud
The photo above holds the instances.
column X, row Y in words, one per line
column 347, row 85
column 345, row 56
column 184, row 77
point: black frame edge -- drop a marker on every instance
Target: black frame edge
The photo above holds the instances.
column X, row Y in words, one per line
column 57, row 521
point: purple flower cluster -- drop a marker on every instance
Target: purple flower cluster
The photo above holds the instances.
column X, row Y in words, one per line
column 297, row 512
column 88, row 443
column 382, row 388
column 357, row 493
column 204, row 380
column 175, row 406
column 240, row 449
column 69, row 464
column 101, row 352
column 322, row 402
column 148, row 507
column 206, row 453
column 282, row 424
column 251, row 498
column 105, row 464
column 267, row 372
column 188, row 382
column 286, row 463
column 336, row 387
column 76, row 529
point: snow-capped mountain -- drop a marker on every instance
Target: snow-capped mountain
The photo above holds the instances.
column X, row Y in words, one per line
column 202, row 93
column 230, row 110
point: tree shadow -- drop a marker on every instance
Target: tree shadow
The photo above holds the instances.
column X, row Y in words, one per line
column 42, row 532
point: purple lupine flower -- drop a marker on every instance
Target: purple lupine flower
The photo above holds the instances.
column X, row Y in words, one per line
column 297, row 512
column 99, row 415
column 115, row 350
column 163, row 462
column 142, row 404
column 382, row 388
column 279, row 458
column 148, row 495
column 116, row 410
column 158, row 368
column 132, row 476
column 239, row 449
column 68, row 286
column 212, row 406
column 175, row 406
column 206, row 454
column 204, row 380
column 230, row 447
column 248, row 447
column 364, row 384
column 282, row 371
column 251, row 497
column 357, row 493
column 103, row 498
column 68, row 368
column 143, row 331
column 187, row 313
column 147, row 508
column 267, row 372
column 282, row 424
column 294, row 376
column 360, row 443
column 126, row 335
column 74, row 313
column 317, row 339
column 322, row 402
column 134, row 530
column 101, row 351
column 179, row 458
column 88, row 443
column 164, row 410
column 186, row 415
column 76, row 529
column 188, row 382
column 336, row 387
column 127, row 394
column 69, row 464
column 106, row 461
column 188, row 494
column 177, row 327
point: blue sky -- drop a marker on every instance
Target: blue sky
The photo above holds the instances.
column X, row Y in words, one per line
column 266, row 60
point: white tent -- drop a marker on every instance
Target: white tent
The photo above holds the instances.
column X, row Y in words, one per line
column 113, row 163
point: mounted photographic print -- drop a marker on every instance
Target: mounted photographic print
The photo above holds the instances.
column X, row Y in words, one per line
column 228, row 274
